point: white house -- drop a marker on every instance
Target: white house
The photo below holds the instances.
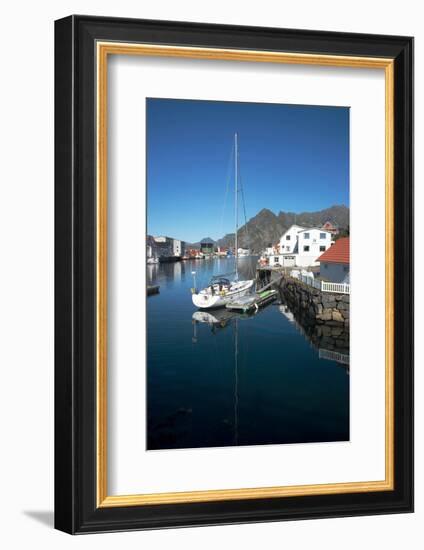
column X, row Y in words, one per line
column 169, row 247
column 288, row 242
column 335, row 262
column 300, row 247
column 311, row 244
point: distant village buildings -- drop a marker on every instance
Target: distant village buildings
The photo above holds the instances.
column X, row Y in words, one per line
column 298, row 247
column 207, row 246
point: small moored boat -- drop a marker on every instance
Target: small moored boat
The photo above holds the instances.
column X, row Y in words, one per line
column 220, row 292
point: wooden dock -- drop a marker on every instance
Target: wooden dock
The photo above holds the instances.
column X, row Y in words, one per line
column 249, row 303
column 152, row 289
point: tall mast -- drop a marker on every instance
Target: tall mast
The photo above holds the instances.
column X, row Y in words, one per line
column 236, row 199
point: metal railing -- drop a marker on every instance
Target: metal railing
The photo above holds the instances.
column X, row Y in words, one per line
column 325, row 286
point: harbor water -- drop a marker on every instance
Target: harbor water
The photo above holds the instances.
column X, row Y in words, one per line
column 218, row 379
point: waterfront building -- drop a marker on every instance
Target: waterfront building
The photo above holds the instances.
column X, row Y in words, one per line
column 300, row 247
column 167, row 248
column 289, row 240
column 312, row 243
column 178, row 247
column 150, row 247
column 194, row 253
column 272, row 249
column 207, row 246
column 335, row 262
column 222, row 250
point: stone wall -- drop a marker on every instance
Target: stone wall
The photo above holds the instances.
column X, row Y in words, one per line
column 314, row 307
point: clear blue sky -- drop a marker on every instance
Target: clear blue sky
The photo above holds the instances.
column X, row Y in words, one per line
column 292, row 158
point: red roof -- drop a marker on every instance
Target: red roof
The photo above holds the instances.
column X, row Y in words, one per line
column 338, row 253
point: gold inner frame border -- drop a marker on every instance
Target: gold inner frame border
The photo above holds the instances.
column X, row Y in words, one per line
column 103, row 50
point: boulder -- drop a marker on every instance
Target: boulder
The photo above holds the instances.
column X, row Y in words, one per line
column 326, row 315
column 328, row 301
column 337, row 316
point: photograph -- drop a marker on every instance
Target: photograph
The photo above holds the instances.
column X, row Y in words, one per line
column 247, row 274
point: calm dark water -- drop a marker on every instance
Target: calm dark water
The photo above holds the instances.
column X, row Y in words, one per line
column 250, row 380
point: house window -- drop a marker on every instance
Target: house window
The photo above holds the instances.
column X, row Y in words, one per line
column 276, row 259
column 322, row 248
column 346, row 268
column 306, row 236
column 322, row 235
column 288, row 248
column 306, row 249
column 288, row 237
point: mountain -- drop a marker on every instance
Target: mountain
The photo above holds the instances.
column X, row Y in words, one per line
column 266, row 227
column 338, row 214
column 204, row 240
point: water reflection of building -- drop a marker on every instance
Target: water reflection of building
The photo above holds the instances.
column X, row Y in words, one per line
column 334, row 356
column 332, row 342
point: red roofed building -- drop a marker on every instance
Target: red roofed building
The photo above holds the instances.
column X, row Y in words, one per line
column 335, row 262
column 331, row 227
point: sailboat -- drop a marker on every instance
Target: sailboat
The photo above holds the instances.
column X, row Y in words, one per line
column 222, row 290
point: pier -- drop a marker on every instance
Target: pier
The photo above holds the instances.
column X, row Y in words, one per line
column 267, row 276
column 152, row 289
column 248, row 303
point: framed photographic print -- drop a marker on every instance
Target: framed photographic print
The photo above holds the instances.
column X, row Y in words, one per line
column 234, row 291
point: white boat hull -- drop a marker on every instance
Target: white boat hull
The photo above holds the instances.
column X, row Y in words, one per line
column 205, row 299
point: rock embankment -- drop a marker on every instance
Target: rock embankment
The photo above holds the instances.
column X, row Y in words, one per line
column 314, row 306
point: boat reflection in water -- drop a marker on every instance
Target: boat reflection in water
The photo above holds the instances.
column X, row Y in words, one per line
column 222, row 319
column 217, row 319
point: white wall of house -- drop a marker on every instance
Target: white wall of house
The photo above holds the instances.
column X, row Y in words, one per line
column 300, row 247
column 283, row 260
column 177, row 247
column 306, row 261
column 289, row 240
column 336, row 273
column 292, row 260
column 313, row 242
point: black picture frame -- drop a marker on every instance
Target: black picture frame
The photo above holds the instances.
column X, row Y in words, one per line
column 76, row 509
